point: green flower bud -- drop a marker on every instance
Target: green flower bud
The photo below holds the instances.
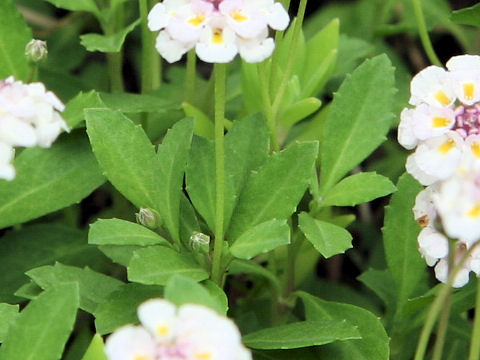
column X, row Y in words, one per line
column 36, row 50
column 200, row 242
column 148, row 218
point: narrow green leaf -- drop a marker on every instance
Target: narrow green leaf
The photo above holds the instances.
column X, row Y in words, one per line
column 14, row 36
column 43, row 327
column 76, row 5
column 96, row 349
column 301, row 334
column 327, row 238
column 155, row 265
column 400, row 233
column 94, row 287
column 125, row 154
column 358, row 120
column 299, row 111
column 467, row 16
column 120, row 307
column 49, row 179
column 261, row 238
column 374, row 342
column 107, row 43
column 121, row 232
column 8, row 314
column 359, row 188
column 275, row 190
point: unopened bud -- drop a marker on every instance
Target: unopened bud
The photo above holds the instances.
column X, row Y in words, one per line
column 36, row 50
column 200, row 242
column 148, row 218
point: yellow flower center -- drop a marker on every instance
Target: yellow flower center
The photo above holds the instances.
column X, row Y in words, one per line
column 475, row 212
column 238, row 16
column 446, row 147
column 475, row 149
column 204, row 356
column 442, row 98
column 439, row 122
column 163, row 330
column 469, row 90
column 197, row 20
column 217, row 36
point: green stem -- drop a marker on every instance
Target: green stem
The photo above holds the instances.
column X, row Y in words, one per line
column 475, row 344
column 115, row 60
column 150, row 72
column 191, row 75
column 423, row 32
column 220, row 81
column 267, row 106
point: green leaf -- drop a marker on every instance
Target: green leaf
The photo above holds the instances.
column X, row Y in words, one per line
column 182, row 290
column 250, row 267
column 358, row 120
column 155, row 265
column 120, row 254
column 94, row 287
column 38, row 245
column 29, row 291
column 136, row 103
column 299, row 111
column 49, row 179
column 73, row 113
column 301, row 334
column 8, row 314
column 374, row 342
column 14, row 36
column 96, row 349
column 125, row 154
column 357, row 189
column 467, row 16
column 400, row 233
column 203, row 124
column 275, row 190
column 380, row 282
column 107, row 43
column 120, row 307
column 43, row 327
column 121, row 232
column 188, row 220
column 76, row 5
column 171, row 162
column 261, row 238
column 327, row 238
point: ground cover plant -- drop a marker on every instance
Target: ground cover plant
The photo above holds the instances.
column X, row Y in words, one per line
column 239, row 179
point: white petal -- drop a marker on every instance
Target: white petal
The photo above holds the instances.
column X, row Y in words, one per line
column 158, row 18
column 159, row 317
column 464, row 62
column 278, row 18
column 432, row 86
column 413, row 169
column 432, row 243
column 406, row 137
column 7, row 171
column 16, row 133
column 217, row 45
column 130, row 342
column 255, row 51
column 171, row 50
column 428, row 121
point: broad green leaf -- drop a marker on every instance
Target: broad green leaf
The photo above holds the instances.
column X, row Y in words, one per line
column 374, row 342
column 121, row 232
column 380, row 282
column 43, row 327
column 467, row 16
column 29, row 291
column 357, row 189
column 125, row 154
column 358, row 120
column 14, row 36
column 136, row 103
column 155, row 265
column 96, row 349
column 217, row 293
column 76, row 5
column 301, row 334
column 94, row 287
column 120, row 254
column 327, row 238
column 49, row 179
column 400, row 233
column 107, row 43
column 203, row 124
column 8, row 314
column 73, row 113
column 275, row 190
column 171, row 162
column 120, row 307
column 261, row 238
column 182, row 290
column 39, row 245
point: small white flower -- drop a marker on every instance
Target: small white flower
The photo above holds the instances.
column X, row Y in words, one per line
column 424, row 210
column 217, row 43
column 441, row 273
column 406, row 137
column 465, row 77
column 432, row 245
column 130, row 343
column 159, row 317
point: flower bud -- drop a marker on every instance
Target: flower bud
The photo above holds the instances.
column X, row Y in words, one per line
column 200, row 242
column 148, row 218
column 36, row 50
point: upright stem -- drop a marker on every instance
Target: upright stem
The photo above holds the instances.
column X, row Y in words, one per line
column 220, row 80
column 475, row 344
column 150, row 72
column 267, row 106
column 190, row 78
column 422, row 31
column 115, row 60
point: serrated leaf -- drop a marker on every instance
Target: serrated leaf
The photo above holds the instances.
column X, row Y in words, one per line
column 261, row 238
column 400, row 233
column 121, row 232
column 120, row 307
column 327, row 238
column 49, row 179
column 467, row 16
column 301, row 334
column 94, row 287
column 8, row 314
column 155, row 265
column 76, row 5
column 96, row 349
column 357, row 189
column 43, row 327
column 275, row 190
column 107, row 43
column 14, row 36
column 374, row 342
column 359, row 119
column 125, row 154
column 171, row 162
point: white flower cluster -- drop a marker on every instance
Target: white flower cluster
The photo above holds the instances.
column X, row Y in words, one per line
column 189, row 332
column 217, row 29
column 29, row 116
column 444, row 130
